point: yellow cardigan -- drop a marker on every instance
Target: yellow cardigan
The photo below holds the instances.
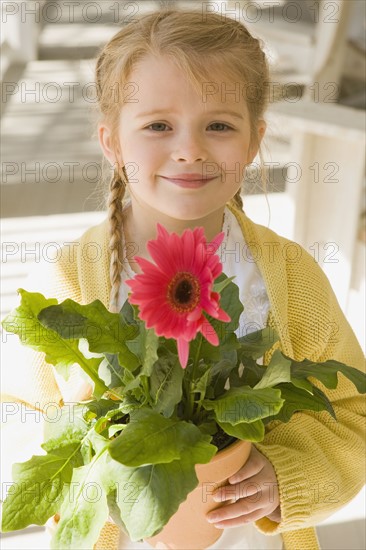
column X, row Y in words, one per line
column 319, row 462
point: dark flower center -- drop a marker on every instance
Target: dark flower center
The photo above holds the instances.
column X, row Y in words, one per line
column 184, row 292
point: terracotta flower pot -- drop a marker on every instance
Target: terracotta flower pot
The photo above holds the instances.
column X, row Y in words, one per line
column 189, row 529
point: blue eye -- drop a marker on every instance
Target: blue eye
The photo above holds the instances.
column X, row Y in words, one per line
column 161, row 127
column 222, row 125
column 156, row 124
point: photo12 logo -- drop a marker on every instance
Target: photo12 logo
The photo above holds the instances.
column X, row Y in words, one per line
column 70, row 11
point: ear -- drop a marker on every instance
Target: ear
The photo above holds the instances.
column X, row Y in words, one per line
column 254, row 146
column 105, row 140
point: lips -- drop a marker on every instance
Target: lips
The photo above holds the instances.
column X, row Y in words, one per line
column 187, row 177
column 189, row 180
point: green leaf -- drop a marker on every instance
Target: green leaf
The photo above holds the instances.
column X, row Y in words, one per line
column 84, row 513
column 149, row 343
column 229, row 302
column 257, row 343
column 100, row 407
column 219, row 374
column 87, row 451
column 40, row 485
column 130, row 404
column 114, row 510
column 278, row 370
column 252, row 373
column 149, row 497
column 60, row 353
column 303, row 384
column 208, row 353
column 114, row 429
column 67, row 428
column 25, row 317
column 245, row 404
column 226, row 350
column 110, row 371
column 221, row 369
column 208, row 427
column 297, row 399
column 105, row 331
column 145, row 496
column 23, row 322
column 219, row 286
column 131, row 381
column 248, row 431
column 200, row 385
column 150, row 438
column 326, row 373
column 129, row 315
column 326, row 404
column 166, row 383
column 99, row 441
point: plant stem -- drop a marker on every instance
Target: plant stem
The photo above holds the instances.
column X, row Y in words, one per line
column 190, row 396
column 145, row 385
column 199, row 407
column 118, row 397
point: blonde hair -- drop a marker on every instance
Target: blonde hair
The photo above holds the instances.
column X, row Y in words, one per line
column 198, row 44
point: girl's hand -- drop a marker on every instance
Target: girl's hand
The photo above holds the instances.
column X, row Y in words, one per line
column 253, row 492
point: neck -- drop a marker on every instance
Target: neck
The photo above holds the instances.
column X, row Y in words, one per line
column 140, row 226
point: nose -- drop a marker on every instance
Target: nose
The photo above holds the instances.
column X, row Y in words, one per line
column 189, row 148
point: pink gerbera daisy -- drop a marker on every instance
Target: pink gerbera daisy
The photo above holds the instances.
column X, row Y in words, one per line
column 173, row 293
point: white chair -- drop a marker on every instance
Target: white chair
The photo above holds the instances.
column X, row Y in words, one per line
column 306, row 41
column 325, row 183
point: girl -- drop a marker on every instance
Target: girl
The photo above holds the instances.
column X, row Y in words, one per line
column 182, row 99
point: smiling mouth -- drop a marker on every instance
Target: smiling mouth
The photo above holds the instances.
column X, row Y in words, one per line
column 189, row 183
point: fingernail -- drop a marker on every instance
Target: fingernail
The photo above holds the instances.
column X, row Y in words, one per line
column 211, row 519
column 217, row 497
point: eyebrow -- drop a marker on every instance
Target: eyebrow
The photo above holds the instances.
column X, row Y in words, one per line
column 150, row 113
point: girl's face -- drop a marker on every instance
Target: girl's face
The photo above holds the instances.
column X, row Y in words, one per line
column 168, row 131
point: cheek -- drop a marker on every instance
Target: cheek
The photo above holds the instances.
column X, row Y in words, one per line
column 146, row 165
column 150, row 157
column 232, row 161
column 238, row 154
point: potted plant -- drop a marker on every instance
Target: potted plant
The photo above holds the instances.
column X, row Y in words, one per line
column 174, row 389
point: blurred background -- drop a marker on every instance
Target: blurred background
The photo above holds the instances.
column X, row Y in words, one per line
column 53, row 179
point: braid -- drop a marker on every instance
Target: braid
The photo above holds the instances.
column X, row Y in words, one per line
column 117, row 188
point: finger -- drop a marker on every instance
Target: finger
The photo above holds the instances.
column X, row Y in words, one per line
column 253, row 466
column 250, row 486
column 230, row 511
column 241, row 520
column 258, row 490
column 254, row 492
column 239, row 490
column 276, row 515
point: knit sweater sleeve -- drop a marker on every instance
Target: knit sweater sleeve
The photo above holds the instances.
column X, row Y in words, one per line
column 319, row 461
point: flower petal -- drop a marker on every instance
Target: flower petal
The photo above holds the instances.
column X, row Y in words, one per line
column 209, row 333
column 183, row 352
column 223, row 316
column 195, row 314
column 161, row 256
column 173, row 293
column 216, row 241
